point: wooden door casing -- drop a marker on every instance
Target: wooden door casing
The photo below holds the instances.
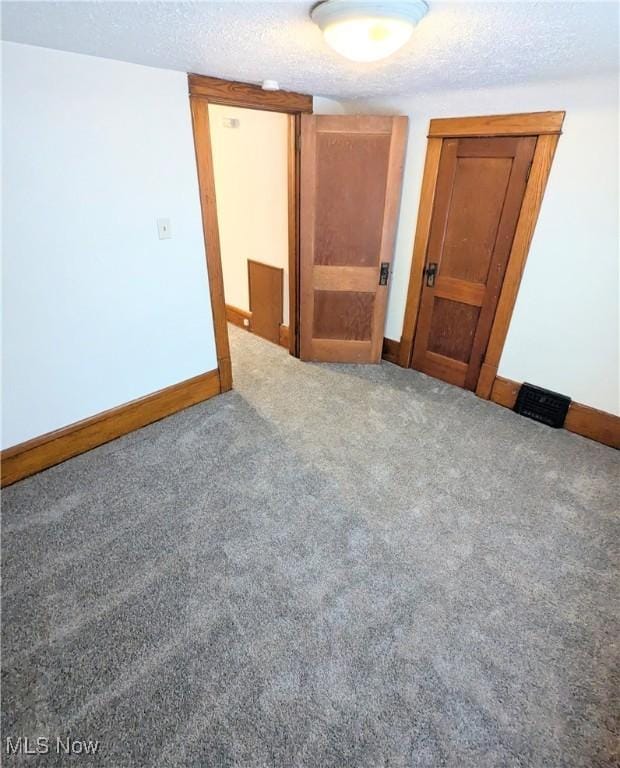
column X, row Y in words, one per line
column 351, row 176
column 479, row 192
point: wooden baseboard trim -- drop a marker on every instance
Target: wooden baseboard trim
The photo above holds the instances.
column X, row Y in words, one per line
column 581, row 419
column 504, row 392
column 45, row 451
column 238, row 317
column 284, row 336
column 391, row 351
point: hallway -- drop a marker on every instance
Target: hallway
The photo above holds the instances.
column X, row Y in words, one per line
column 330, row 565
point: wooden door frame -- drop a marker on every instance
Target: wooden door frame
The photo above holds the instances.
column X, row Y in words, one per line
column 547, row 127
column 203, row 91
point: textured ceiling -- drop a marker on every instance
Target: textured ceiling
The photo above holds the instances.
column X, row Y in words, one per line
column 457, row 45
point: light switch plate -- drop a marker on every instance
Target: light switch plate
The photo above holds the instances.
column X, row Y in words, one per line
column 163, row 229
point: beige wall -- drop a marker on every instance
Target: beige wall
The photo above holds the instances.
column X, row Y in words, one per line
column 251, row 186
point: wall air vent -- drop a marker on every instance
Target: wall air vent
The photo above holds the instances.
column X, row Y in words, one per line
column 542, row 405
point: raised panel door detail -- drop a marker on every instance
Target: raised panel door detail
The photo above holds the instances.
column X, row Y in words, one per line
column 480, row 186
column 453, row 328
column 343, row 315
column 350, row 198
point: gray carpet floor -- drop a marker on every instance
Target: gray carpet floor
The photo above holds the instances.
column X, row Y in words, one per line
column 330, row 566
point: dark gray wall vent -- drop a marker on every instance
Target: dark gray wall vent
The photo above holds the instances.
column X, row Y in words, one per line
column 542, row 405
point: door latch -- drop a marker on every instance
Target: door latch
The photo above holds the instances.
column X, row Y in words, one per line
column 384, row 273
column 430, row 272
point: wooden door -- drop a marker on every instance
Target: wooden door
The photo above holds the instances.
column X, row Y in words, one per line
column 351, row 175
column 480, row 188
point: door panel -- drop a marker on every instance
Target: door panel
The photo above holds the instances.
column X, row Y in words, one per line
column 266, row 299
column 344, row 238
column 343, row 315
column 472, row 227
column 453, row 326
column 351, row 175
column 480, row 187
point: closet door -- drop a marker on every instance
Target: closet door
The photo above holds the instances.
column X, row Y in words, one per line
column 480, row 188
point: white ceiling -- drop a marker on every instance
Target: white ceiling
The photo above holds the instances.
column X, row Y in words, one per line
column 457, row 45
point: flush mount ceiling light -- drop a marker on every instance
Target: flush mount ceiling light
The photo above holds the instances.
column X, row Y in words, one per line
column 363, row 30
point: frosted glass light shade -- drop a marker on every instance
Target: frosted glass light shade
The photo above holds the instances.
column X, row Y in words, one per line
column 367, row 31
column 368, row 39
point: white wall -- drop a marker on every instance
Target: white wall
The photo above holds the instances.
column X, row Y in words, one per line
column 97, row 310
column 321, row 105
column 564, row 333
column 251, row 188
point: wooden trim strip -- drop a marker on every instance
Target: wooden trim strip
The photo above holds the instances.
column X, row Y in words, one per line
column 237, row 316
column 211, row 235
column 363, row 279
column 581, row 419
column 529, row 124
column 294, row 131
column 370, row 124
column 284, row 336
column 236, row 94
column 423, row 227
column 340, row 351
column 391, row 351
column 501, row 147
column 442, row 367
column 460, row 290
column 594, row 424
column 307, row 183
column 34, row 455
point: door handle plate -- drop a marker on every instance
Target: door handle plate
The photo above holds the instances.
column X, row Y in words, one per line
column 430, row 273
column 384, row 273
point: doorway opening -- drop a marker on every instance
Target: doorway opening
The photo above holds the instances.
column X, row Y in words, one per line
column 250, row 162
column 205, row 92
